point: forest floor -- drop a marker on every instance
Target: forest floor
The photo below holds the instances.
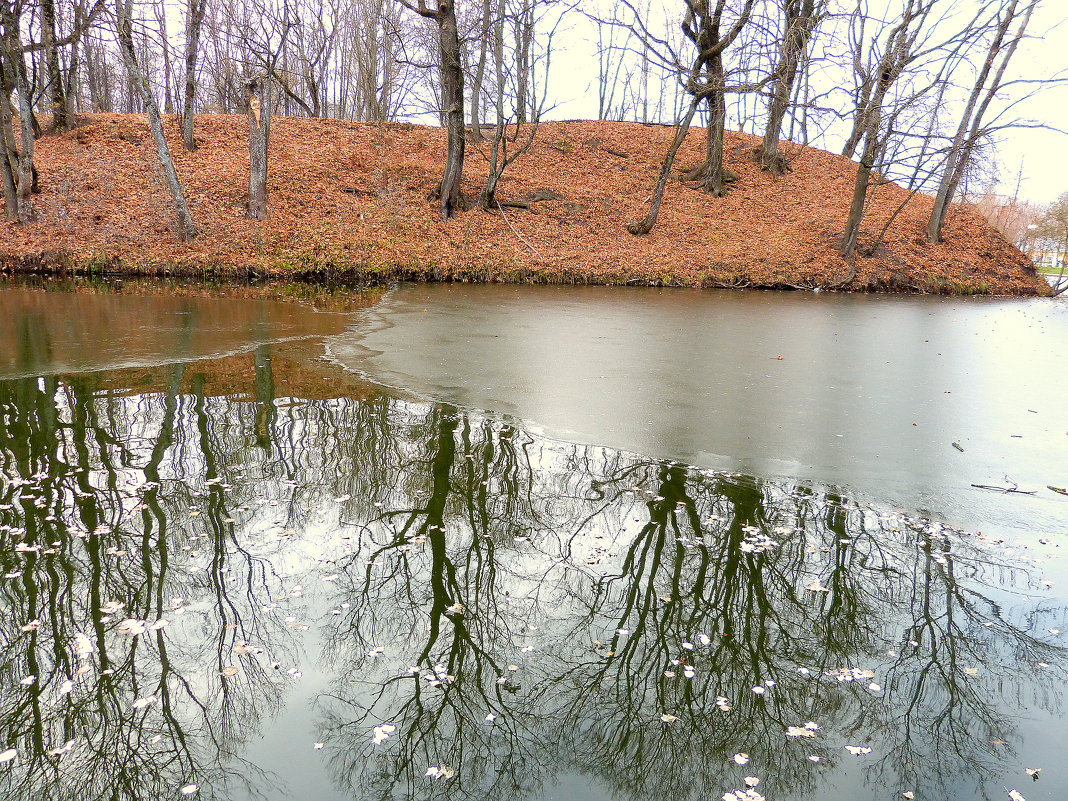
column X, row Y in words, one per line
column 350, row 201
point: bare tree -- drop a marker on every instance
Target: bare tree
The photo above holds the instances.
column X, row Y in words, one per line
column 970, row 128
column 887, row 59
column 452, row 82
column 19, row 175
column 800, row 18
column 702, row 27
column 513, row 102
column 193, row 22
column 705, row 81
column 124, row 24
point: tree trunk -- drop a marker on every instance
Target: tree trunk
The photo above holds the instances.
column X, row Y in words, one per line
column 646, row 225
column 60, row 121
column 860, row 192
column 195, row 17
column 480, row 71
column 962, row 146
column 452, row 80
column 168, row 88
column 26, row 172
column 9, row 154
column 186, row 228
column 18, row 171
column 258, row 102
column 712, row 176
column 524, row 43
column 800, row 21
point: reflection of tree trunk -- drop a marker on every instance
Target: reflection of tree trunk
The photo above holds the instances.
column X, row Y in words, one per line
column 263, row 388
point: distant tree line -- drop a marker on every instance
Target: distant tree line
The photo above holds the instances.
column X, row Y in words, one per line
column 916, row 89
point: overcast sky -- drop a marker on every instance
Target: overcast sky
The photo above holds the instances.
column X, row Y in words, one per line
column 573, row 84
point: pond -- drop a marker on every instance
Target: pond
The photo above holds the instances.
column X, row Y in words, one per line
column 530, row 543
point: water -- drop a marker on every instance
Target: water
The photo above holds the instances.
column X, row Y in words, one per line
column 537, row 608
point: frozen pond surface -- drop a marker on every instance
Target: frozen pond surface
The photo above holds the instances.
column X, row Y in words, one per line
column 598, row 544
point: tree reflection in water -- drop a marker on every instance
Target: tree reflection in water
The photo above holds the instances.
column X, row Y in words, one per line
column 519, row 609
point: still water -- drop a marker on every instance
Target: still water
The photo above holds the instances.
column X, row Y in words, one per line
column 529, row 543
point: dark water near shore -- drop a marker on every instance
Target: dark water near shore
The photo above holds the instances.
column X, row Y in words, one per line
column 592, row 546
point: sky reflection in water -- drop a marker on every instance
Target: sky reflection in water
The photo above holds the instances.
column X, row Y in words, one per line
column 520, row 612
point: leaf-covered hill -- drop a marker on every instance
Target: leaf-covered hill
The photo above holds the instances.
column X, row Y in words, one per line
column 351, row 200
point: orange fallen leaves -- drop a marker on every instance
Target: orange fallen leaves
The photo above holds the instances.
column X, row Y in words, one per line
column 351, row 200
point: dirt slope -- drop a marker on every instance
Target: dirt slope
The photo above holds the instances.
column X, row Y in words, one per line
column 350, row 200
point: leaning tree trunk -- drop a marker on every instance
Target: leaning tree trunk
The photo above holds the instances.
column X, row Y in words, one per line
column 860, row 191
column 258, row 103
column 186, row 228
column 646, row 225
column 962, row 146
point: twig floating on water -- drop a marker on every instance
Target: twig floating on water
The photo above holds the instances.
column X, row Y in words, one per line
column 1004, row 489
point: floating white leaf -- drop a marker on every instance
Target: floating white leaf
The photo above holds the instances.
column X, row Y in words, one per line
column 131, row 627
column 1015, row 796
column 8, row 755
column 381, row 733
column 751, row 781
column 1033, row 772
column 856, row 750
column 741, row 759
column 189, row 789
column 317, row 746
column 668, row 718
column 799, row 731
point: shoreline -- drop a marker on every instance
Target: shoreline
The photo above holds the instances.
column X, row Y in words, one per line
column 348, row 203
